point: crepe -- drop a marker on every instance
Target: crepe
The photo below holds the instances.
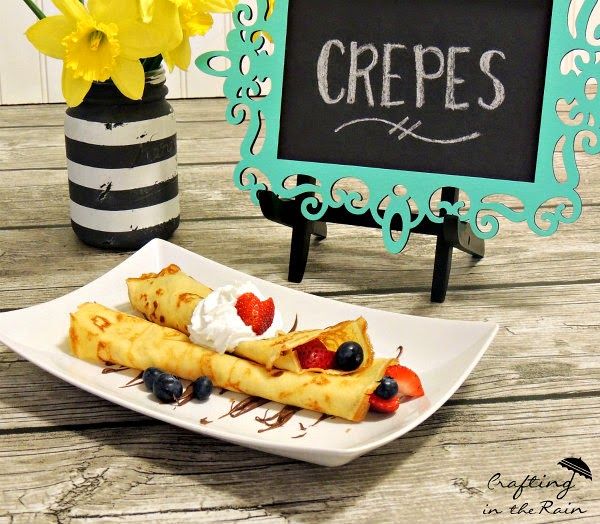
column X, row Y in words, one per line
column 278, row 352
column 100, row 334
column 168, row 298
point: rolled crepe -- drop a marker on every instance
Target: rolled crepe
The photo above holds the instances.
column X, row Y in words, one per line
column 278, row 352
column 98, row 333
column 168, row 298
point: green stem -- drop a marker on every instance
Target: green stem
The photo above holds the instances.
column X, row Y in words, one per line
column 36, row 10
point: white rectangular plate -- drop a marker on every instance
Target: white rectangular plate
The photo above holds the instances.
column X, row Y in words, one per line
column 442, row 352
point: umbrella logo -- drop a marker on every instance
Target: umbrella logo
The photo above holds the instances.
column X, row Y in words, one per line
column 577, row 466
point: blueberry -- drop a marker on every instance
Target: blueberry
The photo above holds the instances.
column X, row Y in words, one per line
column 150, row 375
column 167, row 387
column 349, row 356
column 203, row 388
column 387, row 388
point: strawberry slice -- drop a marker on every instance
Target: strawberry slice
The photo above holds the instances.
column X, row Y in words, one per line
column 314, row 354
column 255, row 313
column 409, row 383
column 382, row 405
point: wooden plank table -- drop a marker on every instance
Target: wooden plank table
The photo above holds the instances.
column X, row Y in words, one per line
column 67, row 456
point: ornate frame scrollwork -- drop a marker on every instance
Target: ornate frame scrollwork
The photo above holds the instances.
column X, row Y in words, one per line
column 573, row 63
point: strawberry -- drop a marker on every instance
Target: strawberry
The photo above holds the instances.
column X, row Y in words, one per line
column 382, row 405
column 314, row 354
column 254, row 313
column 409, row 383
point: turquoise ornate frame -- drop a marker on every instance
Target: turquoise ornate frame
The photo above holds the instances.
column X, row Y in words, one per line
column 547, row 202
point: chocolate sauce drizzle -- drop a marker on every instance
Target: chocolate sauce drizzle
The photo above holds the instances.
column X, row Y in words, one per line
column 187, row 395
column 399, row 349
column 323, row 417
column 244, row 406
column 278, row 419
column 136, row 381
column 294, row 325
column 275, row 421
column 108, row 370
column 237, row 409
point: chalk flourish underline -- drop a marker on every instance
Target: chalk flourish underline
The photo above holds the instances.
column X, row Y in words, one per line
column 409, row 131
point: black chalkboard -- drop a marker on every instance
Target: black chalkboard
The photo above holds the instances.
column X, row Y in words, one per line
column 494, row 50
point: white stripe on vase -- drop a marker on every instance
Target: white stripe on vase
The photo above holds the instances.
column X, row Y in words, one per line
column 124, row 134
column 128, row 220
column 122, row 179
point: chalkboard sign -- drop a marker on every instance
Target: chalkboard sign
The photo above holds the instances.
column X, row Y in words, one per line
column 407, row 97
column 422, row 85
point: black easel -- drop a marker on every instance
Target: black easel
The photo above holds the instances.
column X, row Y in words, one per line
column 452, row 233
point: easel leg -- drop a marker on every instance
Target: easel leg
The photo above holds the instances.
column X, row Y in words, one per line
column 441, row 270
column 302, row 230
column 299, row 252
column 461, row 236
column 319, row 229
column 443, row 255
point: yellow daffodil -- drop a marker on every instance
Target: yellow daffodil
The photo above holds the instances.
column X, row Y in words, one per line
column 147, row 7
column 195, row 19
column 104, row 41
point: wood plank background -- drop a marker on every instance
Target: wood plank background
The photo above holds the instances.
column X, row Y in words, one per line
column 67, row 456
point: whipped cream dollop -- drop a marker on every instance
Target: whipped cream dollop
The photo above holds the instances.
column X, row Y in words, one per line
column 216, row 324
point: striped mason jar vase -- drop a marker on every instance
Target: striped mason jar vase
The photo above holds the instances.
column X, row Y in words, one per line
column 122, row 166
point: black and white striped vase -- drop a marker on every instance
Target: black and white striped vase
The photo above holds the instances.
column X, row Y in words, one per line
column 122, row 166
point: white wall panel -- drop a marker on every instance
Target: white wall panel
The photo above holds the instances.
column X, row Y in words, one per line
column 198, row 84
column 20, row 65
column 174, row 82
column 53, row 66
